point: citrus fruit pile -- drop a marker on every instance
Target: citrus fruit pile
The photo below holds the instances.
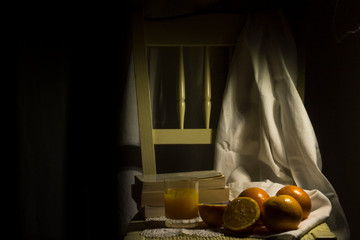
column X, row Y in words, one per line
column 255, row 208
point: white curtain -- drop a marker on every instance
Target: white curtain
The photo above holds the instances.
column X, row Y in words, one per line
column 264, row 131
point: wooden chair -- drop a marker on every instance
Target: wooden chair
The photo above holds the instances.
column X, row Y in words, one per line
column 207, row 30
column 192, row 31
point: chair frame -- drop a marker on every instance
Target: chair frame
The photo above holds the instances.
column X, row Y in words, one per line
column 207, row 30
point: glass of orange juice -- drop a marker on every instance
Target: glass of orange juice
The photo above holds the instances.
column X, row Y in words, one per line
column 181, row 198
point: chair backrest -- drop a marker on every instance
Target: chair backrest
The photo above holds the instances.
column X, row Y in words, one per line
column 206, row 30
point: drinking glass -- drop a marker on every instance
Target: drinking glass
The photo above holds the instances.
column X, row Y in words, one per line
column 181, row 198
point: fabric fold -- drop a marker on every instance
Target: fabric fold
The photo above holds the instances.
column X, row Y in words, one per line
column 264, row 131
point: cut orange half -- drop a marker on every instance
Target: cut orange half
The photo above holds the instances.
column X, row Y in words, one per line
column 212, row 214
column 241, row 214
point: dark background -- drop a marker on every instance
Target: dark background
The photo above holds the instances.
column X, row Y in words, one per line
column 68, row 66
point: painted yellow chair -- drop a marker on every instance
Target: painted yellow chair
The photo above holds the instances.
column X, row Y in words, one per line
column 208, row 30
column 192, row 31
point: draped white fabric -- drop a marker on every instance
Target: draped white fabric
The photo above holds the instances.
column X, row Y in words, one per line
column 264, row 131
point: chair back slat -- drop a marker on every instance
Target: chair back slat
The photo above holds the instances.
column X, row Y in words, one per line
column 184, row 136
column 207, row 88
column 181, row 89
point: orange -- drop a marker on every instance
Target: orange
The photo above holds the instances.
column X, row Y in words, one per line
column 300, row 195
column 282, row 213
column 241, row 214
column 258, row 194
column 212, row 214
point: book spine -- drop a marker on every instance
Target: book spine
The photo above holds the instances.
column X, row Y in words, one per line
column 212, row 183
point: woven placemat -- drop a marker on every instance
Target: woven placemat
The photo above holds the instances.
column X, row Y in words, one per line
column 156, row 230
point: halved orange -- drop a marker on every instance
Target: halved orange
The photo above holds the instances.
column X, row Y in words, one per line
column 241, row 214
column 259, row 195
column 211, row 213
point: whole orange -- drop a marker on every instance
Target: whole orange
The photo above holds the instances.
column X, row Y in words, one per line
column 300, row 195
column 282, row 213
column 212, row 214
column 258, row 194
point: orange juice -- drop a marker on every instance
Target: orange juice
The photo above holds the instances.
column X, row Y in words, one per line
column 181, row 203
